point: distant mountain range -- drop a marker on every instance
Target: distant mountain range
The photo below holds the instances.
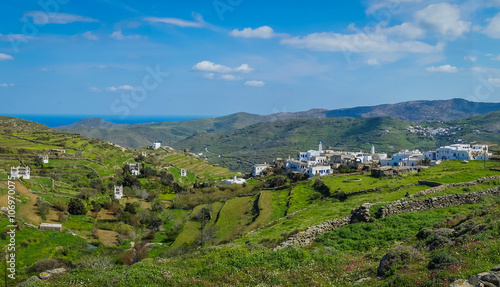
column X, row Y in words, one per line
column 138, row 135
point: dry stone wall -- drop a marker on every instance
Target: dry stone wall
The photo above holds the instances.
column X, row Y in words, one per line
column 445, row 186
column 402, row 206
column 304, row 238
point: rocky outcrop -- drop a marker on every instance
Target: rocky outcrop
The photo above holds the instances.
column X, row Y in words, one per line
column 403, row 206
column 486, row 279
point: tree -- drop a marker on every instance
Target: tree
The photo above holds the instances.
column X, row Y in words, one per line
column 76, row 207
column 43, row 209
column 426, row 161
column 204, row 217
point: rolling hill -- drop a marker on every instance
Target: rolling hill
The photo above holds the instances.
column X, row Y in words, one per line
column 139, row 135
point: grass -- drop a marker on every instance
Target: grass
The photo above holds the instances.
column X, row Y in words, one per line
column 265, row 210
column 234, row 218
column 40, row 244
column 384, row 232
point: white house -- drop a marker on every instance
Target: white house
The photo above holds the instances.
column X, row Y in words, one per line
column 259, row 168
column 296, row 166
column 134, row 168
column 118, row 192
column 183, row 172
column 320, row 170
column 404, row 158
column 458, row 151
column 45, row 158
column 156, row 145
column 18, row 172
column 144, row 154
column 235, row 180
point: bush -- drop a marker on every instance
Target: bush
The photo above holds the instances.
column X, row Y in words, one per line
column 47, row 264
column 96, row 263
column 396, row 258
column 321, row 187
column 76, row 207
column 441, row 259
column 60, row 205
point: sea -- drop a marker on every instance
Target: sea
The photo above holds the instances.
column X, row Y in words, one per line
column 62, row 120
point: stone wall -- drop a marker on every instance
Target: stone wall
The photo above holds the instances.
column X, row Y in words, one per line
column 304, row 238
column 402, row 206
column 442, row 187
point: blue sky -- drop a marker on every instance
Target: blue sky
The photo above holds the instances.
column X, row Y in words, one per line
column 217, row 57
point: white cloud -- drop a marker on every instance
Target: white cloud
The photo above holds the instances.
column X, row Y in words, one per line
column 42, row 18
column 119, row 36
column 208, row 66
column 443, row 18
column 496, row 58
column 264, row 32
column 391, row 5
column 244, row 68
column 211, row 67
column 120, row 88
column 443, row 69
column 359, row 42
column 4, row 57
column 229, row 77
column 493, row 28
column 4, row 85
column 494, row 81
column 95, row 90
column 198, row 23
column 16, row 38
column 255, row 83
column 470, row 58
column 485, row 70
column 405, row 30
column 373, row 62
column 89, row 36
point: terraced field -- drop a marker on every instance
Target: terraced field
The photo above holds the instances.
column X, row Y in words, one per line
column 199, row 167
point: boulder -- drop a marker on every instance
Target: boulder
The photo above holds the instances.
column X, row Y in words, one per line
column 461, row 283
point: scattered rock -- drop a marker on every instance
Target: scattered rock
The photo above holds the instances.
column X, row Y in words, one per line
column 44, row 275
column 461, row 283
column 56, row 271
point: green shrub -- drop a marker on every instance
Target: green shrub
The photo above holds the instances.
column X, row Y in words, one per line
column 441, row 259
column 396, row 258
column 76, row 207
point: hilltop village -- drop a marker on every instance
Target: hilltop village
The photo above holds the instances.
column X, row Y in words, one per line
column 322, row 162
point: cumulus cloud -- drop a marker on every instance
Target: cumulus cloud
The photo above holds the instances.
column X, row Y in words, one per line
column 208, row 66
column 4, row 85
column 90, row 36
column 443, row 18
column 198, row 23
column 443, row 69
column 493, row 28
column 255, row 83
column 4, row 57
column 359, row 42
column 120, row 88
column 494, row 81
column 264, row 32
column 42, row 18
column 118, row 35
